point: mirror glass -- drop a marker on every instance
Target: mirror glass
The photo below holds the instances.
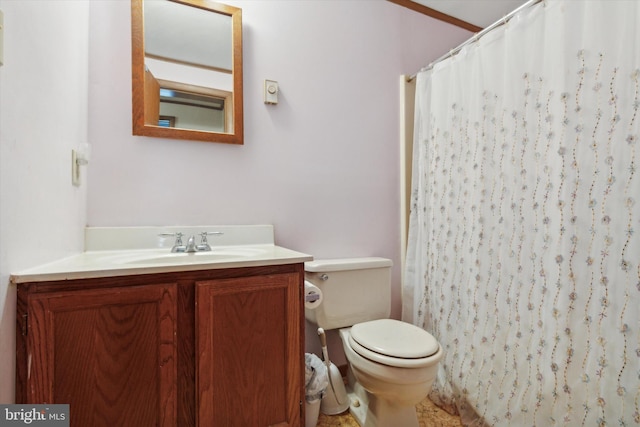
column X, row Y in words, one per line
column 187, row 70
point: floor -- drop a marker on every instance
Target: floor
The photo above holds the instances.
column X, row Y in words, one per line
column 429, row 415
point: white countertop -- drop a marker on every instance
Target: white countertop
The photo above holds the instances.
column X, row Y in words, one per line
column 95, row 264
column 126, row 262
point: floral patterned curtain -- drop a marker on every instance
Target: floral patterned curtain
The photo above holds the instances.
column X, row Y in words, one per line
column 524, row 247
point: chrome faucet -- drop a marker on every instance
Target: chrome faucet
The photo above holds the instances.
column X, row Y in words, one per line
column 191, row 245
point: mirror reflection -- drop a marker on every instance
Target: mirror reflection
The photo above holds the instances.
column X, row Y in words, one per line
column 187, row 70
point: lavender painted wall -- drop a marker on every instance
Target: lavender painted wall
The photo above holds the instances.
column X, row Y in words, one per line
column 322, row 166
column 43, row 116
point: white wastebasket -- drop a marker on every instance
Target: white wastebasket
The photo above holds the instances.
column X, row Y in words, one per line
column 312, row 410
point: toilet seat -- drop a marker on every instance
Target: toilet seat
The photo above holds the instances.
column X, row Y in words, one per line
column 393, row 343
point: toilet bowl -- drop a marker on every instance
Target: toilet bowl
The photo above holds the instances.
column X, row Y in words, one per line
column 385, row 388
column 392, row 364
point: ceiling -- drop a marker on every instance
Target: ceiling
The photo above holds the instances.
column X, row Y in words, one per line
column 480, row 13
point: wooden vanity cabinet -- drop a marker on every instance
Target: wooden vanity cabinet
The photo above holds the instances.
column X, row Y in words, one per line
column 248, row 351
column 109, row 353
column 205, row 348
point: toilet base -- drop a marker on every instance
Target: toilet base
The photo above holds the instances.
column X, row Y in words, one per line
column 371, row 411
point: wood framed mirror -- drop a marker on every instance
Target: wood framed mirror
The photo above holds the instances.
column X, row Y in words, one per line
column 187, row 70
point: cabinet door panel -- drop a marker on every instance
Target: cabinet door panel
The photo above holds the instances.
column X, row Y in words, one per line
column 109, row 353
column 249, row 351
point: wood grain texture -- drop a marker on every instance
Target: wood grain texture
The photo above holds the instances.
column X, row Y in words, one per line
column 248, row 351
column 417, row 7
column 110, row 355
column 122, row 350
column 186, row 355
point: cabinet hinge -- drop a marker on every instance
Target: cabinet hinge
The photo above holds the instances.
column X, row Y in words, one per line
column 25, row 324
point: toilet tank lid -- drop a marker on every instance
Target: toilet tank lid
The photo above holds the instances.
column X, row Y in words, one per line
column 342, row 264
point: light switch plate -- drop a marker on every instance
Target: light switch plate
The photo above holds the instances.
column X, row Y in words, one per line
column 271, row 92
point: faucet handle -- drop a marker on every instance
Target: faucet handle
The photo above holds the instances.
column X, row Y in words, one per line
column 204, row 244
column 204, row 234
column 177, row 235
column 178, row 246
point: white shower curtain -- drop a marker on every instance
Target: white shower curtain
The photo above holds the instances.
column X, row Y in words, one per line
column 524, row 246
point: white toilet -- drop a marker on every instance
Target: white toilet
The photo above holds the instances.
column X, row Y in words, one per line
column 392, row 364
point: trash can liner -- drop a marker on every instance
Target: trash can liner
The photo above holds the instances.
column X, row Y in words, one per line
column 316, row 377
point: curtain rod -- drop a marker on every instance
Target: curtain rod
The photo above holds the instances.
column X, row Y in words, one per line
column 477, row 36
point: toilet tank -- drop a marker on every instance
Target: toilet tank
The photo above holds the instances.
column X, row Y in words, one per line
column 354, row 290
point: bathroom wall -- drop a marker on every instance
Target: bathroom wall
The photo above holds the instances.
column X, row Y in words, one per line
column 322, row 165
column 43, row 115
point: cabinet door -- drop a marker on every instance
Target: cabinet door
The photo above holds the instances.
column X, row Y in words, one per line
column 249, row 351
column 109, row 353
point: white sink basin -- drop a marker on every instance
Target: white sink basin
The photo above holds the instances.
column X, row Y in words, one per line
column 222, row 254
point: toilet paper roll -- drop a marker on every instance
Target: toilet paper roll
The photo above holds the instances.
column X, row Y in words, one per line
column 312, row 295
